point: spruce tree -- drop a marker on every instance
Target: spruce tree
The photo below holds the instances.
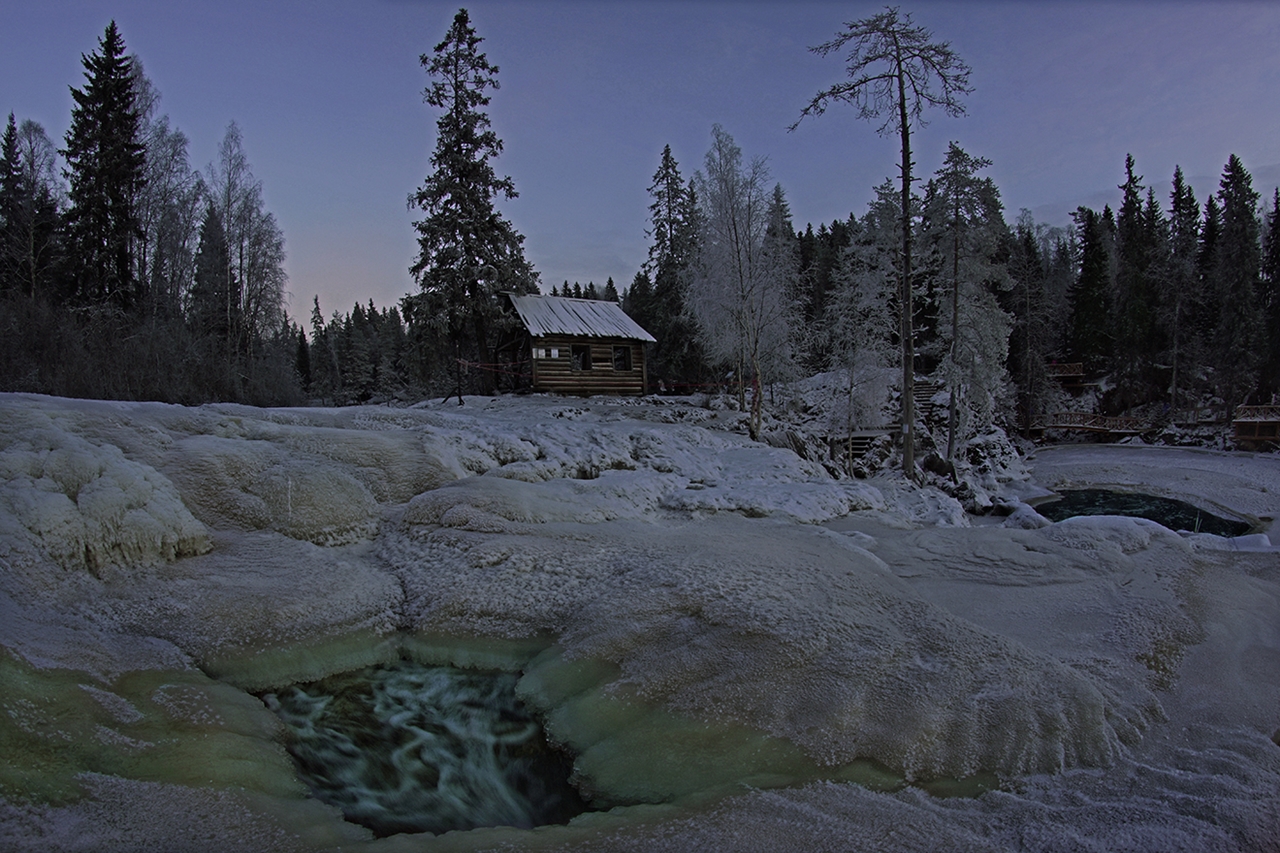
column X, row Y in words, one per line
column 1237, row 353
column 468, row 253
column 302, row 361
column 637, row 299
column 1179, row 306
column 215, row 308
column 673, row 220
column 965, row 228
column 1270, row 300
column 1090, row 299
column 1142, row 269
column 105, row 164
column 1206, row 271
column 11, row 192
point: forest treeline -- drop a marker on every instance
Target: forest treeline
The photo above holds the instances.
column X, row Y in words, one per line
column 126, row 273
column 1167, row 302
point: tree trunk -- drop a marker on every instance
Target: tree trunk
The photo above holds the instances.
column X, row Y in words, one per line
column 952, row 414
column 908, row 332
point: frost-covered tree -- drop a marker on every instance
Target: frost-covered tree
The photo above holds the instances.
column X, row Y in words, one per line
column 820, row 253
column 741, row 294
column 467, row 252
column 965, row 228
column 895, row 71
column 862, row 325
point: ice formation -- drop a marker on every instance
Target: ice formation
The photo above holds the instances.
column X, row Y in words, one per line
column 744, row 653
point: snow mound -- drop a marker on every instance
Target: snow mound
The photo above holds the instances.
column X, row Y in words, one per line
column 1024, row 517
column 805, row 502
column 1113, row 533
column 255, row 485
column 1251, row 543
column 488, row 502
column 87, row 506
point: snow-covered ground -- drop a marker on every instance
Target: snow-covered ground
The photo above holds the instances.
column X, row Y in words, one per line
column 724, row 634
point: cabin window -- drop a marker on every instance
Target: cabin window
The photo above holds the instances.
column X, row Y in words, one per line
column 580, row 357
column 622, row 358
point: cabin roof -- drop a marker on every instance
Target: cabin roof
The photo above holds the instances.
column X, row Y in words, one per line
column 591, row 318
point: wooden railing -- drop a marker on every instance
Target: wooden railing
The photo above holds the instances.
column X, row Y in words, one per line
column 1073, row 369
column 1094, row 423
column 1257, row 413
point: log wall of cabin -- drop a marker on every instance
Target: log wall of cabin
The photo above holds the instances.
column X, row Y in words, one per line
column 557, row 375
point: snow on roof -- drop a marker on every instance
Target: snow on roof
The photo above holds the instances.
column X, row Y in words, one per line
column 559, row 315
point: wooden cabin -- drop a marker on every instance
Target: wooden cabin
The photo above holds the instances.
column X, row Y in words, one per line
column 580, row 346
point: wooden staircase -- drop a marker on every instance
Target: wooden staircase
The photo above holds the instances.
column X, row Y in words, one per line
column 924, row 391
column 855, row 446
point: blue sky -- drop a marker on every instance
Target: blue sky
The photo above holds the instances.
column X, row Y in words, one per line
column 328, row 94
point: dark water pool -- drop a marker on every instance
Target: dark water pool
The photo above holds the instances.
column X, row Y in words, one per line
column 1173, row 514
column 416, row 748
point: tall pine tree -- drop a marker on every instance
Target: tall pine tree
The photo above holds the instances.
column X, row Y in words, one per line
column 1237, row 268
column 895, row 71
column 11, row 195
column 105, row 163
column 677, row 357
column 1270, row 300
column 1180, row 304
column 468, row 253
column 965, row 228
column 1090, row 299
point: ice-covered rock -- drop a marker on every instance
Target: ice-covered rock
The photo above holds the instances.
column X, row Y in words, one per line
column 86, row 505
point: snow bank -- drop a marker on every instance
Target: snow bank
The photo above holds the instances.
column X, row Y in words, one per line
column 1118, row 681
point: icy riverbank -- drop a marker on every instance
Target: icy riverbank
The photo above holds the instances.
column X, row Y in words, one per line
column 683, row 602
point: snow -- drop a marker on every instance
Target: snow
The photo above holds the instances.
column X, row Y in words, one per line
column 721, row 629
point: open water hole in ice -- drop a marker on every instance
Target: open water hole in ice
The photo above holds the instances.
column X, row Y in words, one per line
column 1173, row 514
column 412, row 747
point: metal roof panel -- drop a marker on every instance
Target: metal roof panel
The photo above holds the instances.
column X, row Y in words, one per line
column 561, row 315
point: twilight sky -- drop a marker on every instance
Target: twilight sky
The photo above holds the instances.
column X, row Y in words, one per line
column 328, row 95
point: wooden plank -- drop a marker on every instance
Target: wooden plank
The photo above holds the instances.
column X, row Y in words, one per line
column 557, row 375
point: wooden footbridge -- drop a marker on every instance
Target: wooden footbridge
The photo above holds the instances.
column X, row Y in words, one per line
column 1256, row 426
column 1089, row 422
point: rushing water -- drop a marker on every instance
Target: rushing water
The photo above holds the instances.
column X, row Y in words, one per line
column 1173, row 514
column 416, row 748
